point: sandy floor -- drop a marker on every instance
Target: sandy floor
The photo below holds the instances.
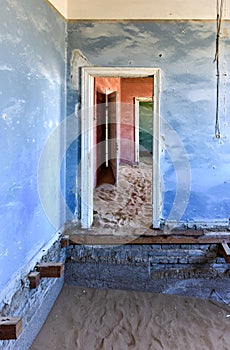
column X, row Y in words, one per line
column 92, row 319
column 129, row 203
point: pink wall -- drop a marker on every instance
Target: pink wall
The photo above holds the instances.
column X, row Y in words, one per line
column 102, row 84
column 128, row 89
column 131, row 88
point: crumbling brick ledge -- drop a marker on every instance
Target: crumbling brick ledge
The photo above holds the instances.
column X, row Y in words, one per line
column 33, row 305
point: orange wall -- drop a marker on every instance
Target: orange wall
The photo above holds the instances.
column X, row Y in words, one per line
column 131, row 88
column 107, row 83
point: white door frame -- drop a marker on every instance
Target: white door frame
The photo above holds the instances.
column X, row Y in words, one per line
column 87, row 126
column 137, row 124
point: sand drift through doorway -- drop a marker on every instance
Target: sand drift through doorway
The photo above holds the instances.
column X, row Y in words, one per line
column 88, row 166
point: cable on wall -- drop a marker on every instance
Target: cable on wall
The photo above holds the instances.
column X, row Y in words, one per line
column 220, row 5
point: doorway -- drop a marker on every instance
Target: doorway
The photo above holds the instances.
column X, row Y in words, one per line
column 107, row 157
column 123, row 192
column 88, row 136
column 143, row 127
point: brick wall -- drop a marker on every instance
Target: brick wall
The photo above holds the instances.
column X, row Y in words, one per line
column 192, row 270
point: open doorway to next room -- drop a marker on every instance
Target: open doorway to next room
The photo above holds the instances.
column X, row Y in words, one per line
column 115, row 148
column 123, row 134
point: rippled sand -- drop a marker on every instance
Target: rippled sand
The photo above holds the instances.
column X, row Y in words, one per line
column 129, row 204
column 92, row 319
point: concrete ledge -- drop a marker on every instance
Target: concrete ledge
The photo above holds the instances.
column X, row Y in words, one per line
column 33, row 305
column 37, row 320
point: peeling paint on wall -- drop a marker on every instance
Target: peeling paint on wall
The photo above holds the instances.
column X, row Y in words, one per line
column 32, row 73
column 32, row 104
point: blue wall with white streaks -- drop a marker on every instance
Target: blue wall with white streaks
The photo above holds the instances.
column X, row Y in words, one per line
column 184, row 51
column 32, row 105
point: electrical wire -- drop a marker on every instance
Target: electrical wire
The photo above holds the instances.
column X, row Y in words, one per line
column 220, row 5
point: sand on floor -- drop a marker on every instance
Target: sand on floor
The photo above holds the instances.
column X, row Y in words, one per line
column 93, row 319
column 129, row 204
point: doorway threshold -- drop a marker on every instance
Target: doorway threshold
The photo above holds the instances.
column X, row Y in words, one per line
column 99, row 236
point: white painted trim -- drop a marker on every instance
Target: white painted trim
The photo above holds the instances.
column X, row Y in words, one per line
column 87, row 117
column 156, row 174
column 137, row 123
column 106, row 130
column 87, row 111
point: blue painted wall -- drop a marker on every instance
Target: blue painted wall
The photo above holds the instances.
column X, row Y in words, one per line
column 32, row 105
column 184, row 51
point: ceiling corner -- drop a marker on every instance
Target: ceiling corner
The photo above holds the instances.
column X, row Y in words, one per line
column 60, row 6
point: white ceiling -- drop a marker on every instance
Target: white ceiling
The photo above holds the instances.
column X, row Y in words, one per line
column 61, row 6
column 135, row 9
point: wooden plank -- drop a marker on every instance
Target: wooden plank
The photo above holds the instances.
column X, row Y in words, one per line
column 34, row 278
column 129, row 232
column 157, row 232
column 50, row 270
column 10, row 327
column 91, row 239
column 226, row 252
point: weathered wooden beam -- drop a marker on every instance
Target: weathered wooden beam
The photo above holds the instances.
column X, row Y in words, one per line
column 175, row 238
column 10, row 327
column 34, row 278
column 125, row 232
column 226, row 252
column 50, row 270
